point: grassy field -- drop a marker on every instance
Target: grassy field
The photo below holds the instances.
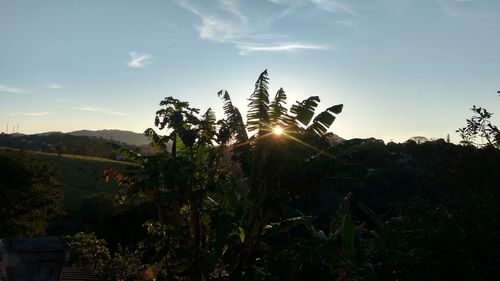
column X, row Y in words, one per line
column 81, row 176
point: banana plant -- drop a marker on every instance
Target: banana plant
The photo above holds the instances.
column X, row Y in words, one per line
column 192, row 186
column 258, row 108
column 273, row 164
column 278, row 113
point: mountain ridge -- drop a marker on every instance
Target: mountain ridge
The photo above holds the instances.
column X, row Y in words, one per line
column 123, row 136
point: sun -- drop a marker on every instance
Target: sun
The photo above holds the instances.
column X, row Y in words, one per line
column 278, row 130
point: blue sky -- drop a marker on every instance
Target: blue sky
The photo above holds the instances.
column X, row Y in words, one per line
column 400, row 67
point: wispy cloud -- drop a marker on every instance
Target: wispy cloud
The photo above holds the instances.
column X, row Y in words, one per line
column 333, row 6
column 55, row 86
column 285, row 47
column 29, row 113
column 233, row 8
column 12, row 90
column 101, row 110
column 228, row 22
column 84, row 107
column 216, row 28
column 139, row 61
column 467, row 10
column 452, row 8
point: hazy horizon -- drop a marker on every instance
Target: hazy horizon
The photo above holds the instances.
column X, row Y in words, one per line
column 401, row 68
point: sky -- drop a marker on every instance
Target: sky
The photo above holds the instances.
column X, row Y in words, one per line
column 401, row 68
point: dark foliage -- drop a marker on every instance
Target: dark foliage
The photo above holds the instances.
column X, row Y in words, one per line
column 30, row 194
column 439, row 208
column 479, row 130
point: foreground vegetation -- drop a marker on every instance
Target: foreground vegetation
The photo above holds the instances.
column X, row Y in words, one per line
column 232, row 201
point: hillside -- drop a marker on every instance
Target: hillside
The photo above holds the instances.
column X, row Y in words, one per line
column 127, row 137
column 81, row 176
column 65, row 143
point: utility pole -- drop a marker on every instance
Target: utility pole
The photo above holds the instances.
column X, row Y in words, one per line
column 7, row 129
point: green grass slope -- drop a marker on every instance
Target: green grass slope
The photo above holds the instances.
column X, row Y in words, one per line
column 81, row 176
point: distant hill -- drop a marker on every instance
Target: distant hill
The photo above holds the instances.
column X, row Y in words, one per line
column 333, row 138
column 127, row 137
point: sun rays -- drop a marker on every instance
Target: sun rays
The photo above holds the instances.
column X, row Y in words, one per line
column 278, row 131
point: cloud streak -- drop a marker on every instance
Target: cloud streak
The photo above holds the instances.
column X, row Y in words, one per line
column 285, row 47
column 84, row 107
column 226, row 22
column 100, row 110
column 11, row 90
column 469, row 10
column 333, row 6
column 139, row 61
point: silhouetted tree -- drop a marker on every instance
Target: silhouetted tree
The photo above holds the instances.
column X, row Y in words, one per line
column 479, row 131
column 60, row 147
column 480, row 127
column 419, row 139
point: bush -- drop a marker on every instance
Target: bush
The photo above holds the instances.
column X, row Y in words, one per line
column 31, row 195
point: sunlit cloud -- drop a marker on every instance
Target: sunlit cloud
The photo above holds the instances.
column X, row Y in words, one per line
column 55, row 86
column 100, row 110
column 287, row 47
column 11, row 90
column 139, row 61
